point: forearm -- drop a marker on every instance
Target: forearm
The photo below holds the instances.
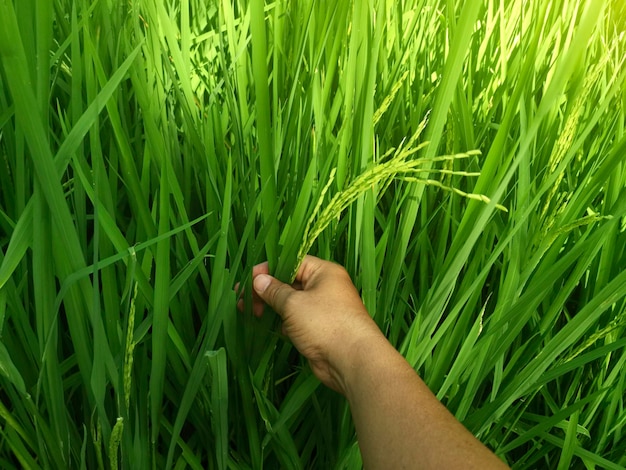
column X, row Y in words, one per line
column 400, row 423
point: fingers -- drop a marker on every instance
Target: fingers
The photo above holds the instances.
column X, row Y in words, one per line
column 257, row 302
column 262, row 268
column 309, row 267
column 273, row 292
column 257, row 306
column 270, row 290
column 315, row 273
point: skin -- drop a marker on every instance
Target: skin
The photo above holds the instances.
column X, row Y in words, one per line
column 399, row 422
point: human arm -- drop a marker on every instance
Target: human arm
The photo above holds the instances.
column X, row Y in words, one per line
column 399, row 422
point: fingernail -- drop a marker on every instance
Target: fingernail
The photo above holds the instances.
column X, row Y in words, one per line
column 261, row 282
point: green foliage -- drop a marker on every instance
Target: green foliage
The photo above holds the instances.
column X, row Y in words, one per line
column 152, row 152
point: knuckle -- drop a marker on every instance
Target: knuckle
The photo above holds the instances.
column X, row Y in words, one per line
column 280, row 298
column 289, row 301
column 273, row 294
column 340, row 271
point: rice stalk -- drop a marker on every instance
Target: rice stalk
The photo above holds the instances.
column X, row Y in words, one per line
column 616, row 325
column 381, row 174
column 114, row 443
column 128, row 350
column 96, row 436
column 378, row 114
column 152, row 151
column 565, row 141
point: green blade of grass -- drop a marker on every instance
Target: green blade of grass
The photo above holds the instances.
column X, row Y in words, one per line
column 219, row 403
column 161, row 308
column 264, row 123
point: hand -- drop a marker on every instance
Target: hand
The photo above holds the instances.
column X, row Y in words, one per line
column 400, row 423
column 322, row 314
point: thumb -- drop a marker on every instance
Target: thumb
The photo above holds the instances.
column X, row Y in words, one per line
column 273, row 292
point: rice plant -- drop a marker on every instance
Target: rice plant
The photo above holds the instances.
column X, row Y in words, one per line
column 464, row 160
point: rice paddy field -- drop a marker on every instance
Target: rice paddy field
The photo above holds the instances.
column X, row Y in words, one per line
column 465, row 160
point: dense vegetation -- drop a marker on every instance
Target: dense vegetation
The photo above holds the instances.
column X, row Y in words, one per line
column 151, row 152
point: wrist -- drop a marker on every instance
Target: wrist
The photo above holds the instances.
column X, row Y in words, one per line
column 358, row 358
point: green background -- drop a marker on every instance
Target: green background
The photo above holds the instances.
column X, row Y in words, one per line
column 151, row 152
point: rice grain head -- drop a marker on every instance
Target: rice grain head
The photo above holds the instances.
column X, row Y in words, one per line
column 381, row 175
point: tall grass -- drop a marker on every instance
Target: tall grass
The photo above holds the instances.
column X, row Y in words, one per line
column 152, row 152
